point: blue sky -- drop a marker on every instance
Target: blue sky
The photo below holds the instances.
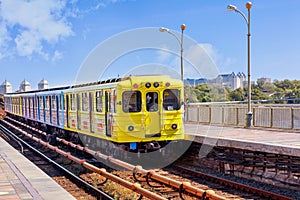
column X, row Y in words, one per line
column 52, row 39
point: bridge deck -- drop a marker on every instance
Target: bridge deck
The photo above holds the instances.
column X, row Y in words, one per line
column 286, row 142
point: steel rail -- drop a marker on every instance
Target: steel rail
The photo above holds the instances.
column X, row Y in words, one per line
column 181, row 186
column 101, row 171
column 235, row 184
column 13, row 136
column 69, row 174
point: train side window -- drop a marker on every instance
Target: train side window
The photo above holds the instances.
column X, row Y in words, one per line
column 33, row 106
column 53, row 102
column 24, row 106
column 47, row 102
column 29, row 106
column 66, row 102
column 41, row 102
column 85, row 102
column 61, row 101
column 99, row 103
column 73, row 101
column 131, row 101
column 171, row 100
column 113, row 101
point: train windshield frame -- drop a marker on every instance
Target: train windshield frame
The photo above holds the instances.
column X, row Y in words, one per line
column 171, row 99
column 132, row 101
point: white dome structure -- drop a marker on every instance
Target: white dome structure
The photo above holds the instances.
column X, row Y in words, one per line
column 24, row 86
column 5, row 87
column 43, row 84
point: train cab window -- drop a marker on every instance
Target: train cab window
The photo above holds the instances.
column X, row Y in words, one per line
column 99, row 103
column 85, row 102
column 152, row 101
column 131, row 101
column 171, row 99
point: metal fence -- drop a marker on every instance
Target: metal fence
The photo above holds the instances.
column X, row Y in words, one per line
column 286, row 116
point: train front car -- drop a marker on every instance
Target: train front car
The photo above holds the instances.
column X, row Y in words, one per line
column 150, row 112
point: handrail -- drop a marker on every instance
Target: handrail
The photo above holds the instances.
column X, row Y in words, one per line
column 282, row 116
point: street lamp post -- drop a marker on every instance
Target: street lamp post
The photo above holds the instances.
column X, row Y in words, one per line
column 247, row 19
column 162, row 29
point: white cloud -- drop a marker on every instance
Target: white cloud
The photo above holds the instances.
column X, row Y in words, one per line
column 32, row 23
column 29, row 27
column 28, row 42
column 57, row 55
column 4, row 39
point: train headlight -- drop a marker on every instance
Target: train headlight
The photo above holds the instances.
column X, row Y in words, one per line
column 174, row 126
column 155, row 84
column 148, row 85
column 130, row 128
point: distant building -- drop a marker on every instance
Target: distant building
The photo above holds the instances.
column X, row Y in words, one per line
column 194, row 82
column 43, row 84
column 5, row 87
column 24, row 86
column 232, row 80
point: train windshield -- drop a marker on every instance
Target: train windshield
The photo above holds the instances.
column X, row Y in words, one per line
column 132, row 101
column 152, row 101
column 171, row 99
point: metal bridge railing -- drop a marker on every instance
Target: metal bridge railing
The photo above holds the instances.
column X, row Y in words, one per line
column 282, row 116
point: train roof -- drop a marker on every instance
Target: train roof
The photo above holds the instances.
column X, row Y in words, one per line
column 139, row 78
column 113, row 80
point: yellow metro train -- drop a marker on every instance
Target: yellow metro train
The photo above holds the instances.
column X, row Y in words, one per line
column 136, row 113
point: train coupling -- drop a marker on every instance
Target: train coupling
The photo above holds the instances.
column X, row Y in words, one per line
column 152, row 146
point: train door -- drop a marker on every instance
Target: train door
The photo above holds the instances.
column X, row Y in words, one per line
column 61, row 109
column 91, row 111
column 44, row 108
column 33, row 107
column 78, row 112
column 47, row 109
column 24, row 107
column 57, row 109
column 38, row 108
column 29, row 106
column 152, row 115
column 67, row 109
column 107, row 114
column 85, row 116
column 52, row 108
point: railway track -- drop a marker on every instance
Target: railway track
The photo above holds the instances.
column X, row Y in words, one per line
column 259, row 193
column 44, row 160
column 100, row 171
column 170, row 184
column 152, row 184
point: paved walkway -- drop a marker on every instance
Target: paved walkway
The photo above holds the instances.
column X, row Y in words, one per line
column 21, row 179
column 277, row 141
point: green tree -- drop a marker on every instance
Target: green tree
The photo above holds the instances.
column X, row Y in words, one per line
column 236, row 95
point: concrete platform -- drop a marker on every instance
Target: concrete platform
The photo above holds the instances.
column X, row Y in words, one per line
column 21, row 179
column 278, row 141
